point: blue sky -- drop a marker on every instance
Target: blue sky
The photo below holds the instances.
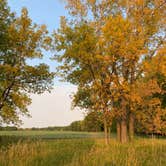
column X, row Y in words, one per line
column 41, row 11
column 52, row 109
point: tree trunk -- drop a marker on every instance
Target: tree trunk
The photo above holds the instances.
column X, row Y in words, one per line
column 124, row 138
column 118, row 131
column 106, row 132
column 131, row 127
column 109, row 134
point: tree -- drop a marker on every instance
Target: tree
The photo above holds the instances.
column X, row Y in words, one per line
column 76, row 126
column 152, row 118
column 21, row 40
column 108, row 46
column 93, row 121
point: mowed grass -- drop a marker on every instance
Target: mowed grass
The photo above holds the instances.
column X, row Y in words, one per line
column 52, row 134
column 85, row 151
column 9, row 137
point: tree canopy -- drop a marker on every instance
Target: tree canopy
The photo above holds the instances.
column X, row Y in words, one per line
column 115, row 50
column 20, row 40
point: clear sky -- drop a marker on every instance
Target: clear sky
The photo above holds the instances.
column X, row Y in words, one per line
column 48, row 109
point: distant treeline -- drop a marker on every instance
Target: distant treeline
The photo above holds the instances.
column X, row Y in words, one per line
column 91, row 123
column 8, row 128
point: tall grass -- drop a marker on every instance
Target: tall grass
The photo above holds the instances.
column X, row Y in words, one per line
column 44, row 153
column 84, row 152
column 142, row 152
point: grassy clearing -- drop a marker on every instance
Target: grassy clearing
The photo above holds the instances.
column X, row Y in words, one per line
column 52, row 134
column 84, row 152
column 10, row 137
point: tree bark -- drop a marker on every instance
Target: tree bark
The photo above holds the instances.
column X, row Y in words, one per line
column 109, row 134
column 124, row 138
column 106, row 132
column 118, row 131
column 131, row 127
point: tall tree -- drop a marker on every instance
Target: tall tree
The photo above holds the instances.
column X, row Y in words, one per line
column 21, row 40
column 108, row 46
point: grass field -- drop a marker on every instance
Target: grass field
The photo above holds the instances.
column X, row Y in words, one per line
column 52, row 134
column 65, row 149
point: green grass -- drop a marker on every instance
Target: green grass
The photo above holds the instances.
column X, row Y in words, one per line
column 142, row 152
column 44, row 153
column 88, row 150
column 10, row 137
column 52, row 134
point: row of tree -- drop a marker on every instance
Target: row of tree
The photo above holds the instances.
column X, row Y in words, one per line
column 92, row 122
column 115, row 52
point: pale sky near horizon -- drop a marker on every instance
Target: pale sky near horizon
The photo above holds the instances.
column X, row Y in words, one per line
column 48, row 109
